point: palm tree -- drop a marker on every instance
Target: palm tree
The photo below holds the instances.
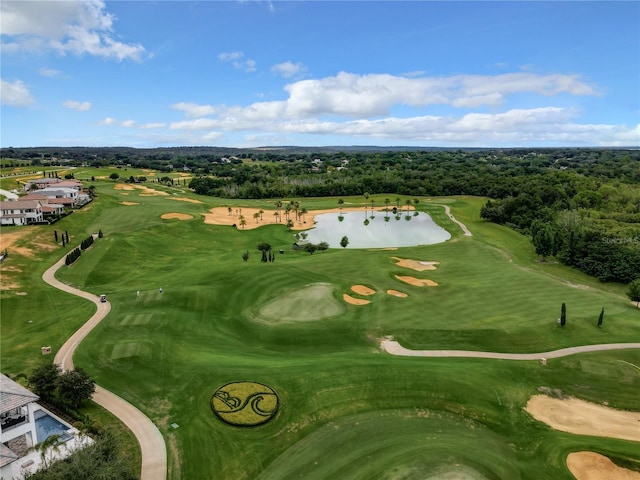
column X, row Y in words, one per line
column 256, row 216
column 289, row 224
column 261, row 212
column 230, row 210
column 277, row 215
column 303, row 212
column 408, row 202
column 243, row 222
column 278, row 206
column 398, row 202
column 50, row 446
column 296, row 207
column 340, row 202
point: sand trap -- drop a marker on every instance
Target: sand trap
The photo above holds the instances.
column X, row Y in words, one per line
column 129, row 203
column 418, row 265
column 177, row 216
column 396, row 293
column 593, row 466
column 354, row 301
column 146, row 191
column 416, row 282
column 584, row 418
column 362, row 290
column 184, row 199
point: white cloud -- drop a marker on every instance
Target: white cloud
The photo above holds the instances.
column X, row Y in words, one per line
column 194, row 110
column 211, row 136
column 289, row 69
column 67, row 27
column 108, row 121
column 50, row 72
column 352, row 95
column 198, row 124
column 15, row 94
column 238, row 61
column 79, row 106
column 318, row 107
column 128, row 123
column 153, row 125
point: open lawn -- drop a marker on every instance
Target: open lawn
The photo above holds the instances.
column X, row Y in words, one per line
column 346, row 409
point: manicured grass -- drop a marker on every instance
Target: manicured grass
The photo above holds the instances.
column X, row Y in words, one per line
column 346, row 409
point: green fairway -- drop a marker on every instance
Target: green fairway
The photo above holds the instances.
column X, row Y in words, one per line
column 346, row 409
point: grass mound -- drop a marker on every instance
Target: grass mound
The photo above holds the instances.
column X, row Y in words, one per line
column 397, row 444
column 310, row 303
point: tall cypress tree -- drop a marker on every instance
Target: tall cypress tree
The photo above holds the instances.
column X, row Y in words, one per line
column 563, row 315
column 601, row 317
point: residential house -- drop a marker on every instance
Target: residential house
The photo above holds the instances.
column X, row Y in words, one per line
column 20, row 212
column 24, row 424
column 69, row 197
column 40, row 183
column 50, row 206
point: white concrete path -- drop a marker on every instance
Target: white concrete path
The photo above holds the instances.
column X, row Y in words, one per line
column 394, row 348
column 152, row 445
column 9, row 195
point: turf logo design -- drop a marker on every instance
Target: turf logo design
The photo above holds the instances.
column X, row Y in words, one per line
column 245, row 404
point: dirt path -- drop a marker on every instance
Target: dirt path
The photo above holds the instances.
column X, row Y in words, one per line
column 154, row 452
column 394, row 348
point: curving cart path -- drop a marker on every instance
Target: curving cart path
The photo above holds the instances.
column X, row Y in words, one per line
column 466, row 232
column 154, row 452
column 394, row 348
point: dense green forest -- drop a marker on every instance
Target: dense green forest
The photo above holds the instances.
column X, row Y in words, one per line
column 580, row 205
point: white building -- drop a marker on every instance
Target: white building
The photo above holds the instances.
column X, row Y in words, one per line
column 20, row 212
column 23, row 424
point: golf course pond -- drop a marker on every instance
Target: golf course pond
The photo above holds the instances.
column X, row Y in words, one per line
column 382, row 230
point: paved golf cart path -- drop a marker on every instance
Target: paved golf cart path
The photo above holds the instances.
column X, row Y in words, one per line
column 394, row 348
column 465, row 230
column 154, row 452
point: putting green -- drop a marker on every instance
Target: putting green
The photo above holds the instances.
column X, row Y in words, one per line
column 312, row 302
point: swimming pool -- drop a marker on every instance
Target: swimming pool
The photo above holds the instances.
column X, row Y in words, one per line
column 48, row 425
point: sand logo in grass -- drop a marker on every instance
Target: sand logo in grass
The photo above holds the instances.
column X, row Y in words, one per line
column 245, row 404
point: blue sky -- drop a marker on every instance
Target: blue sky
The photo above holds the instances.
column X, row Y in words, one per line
column 258, row 73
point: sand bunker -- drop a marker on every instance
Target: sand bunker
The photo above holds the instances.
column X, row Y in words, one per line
column 362, row 290
column 146, row 191
column 418, row 265
column 593, row 466
column 396, row 293
column 184, row 199
column 584, row 418
column 354, row 301
column 129, row 203
column 416, row 282
column 178, row 216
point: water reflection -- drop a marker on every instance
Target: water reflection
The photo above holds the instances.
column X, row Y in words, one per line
column 381, row 230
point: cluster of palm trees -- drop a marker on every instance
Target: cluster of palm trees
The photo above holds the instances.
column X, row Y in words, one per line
column 387, row 201
column 299, row 212
column 292, row 206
